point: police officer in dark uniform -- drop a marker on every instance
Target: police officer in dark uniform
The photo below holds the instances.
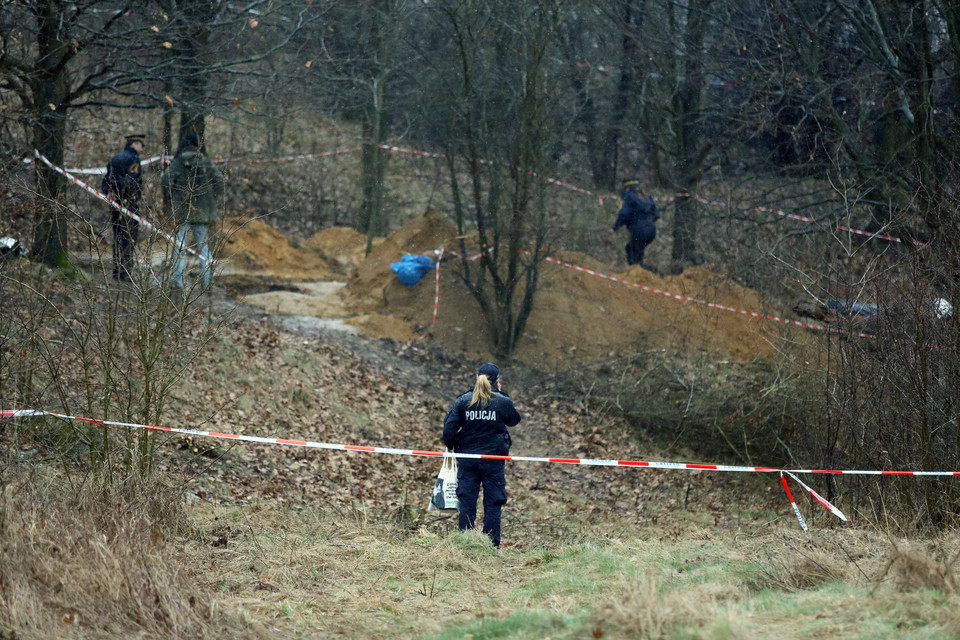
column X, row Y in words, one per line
column 477, row 423
column 639, row 217
column 123, row 184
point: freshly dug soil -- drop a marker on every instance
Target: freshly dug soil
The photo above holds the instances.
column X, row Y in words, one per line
column 577, row 316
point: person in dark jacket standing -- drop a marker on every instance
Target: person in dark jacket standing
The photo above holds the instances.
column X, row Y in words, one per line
column 477, row 423
column 193, row 188
column 123, row 184
column 639, row 217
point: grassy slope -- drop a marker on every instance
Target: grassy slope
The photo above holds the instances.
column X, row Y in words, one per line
column 276, row 542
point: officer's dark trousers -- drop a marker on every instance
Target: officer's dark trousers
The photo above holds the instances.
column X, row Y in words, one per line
column 126, row 231
column 640, row 236
column 471, row 475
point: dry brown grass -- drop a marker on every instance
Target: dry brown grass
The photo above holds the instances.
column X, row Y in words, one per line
column 84, row 560
column 916, row 567
column 650, row 607
column 345, row 573
column 797, row 561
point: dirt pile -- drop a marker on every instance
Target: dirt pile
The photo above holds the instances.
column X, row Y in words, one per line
column 343, row 248
column 256, row 248
column 367, row 291
column 577, row 316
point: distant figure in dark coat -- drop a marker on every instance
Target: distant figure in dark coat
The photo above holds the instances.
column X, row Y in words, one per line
column 123, row 184
column 638, row 216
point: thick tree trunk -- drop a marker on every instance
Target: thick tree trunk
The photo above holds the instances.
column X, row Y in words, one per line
column 607, row 160
column 50, row 88
column 689, row 152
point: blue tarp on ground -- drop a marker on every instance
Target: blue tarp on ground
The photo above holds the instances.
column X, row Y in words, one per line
column 411, row 268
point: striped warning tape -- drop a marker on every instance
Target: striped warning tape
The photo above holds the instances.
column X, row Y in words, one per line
column 166, row 158
column 146, row 224
column 793, row 503
column 26, row 413
column 675, row 296
column 595, row 462
column 665, row 199
column 99, row 171
column 549, row 180
column 823, row 501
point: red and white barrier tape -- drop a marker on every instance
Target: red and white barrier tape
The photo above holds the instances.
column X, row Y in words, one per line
column 665, row 199
column 796, row 510
column 143, row 221
column 99, row 171
column 436, row 296
column 675, row 296
column 554, row 181
column 27, row 413
column 303, row 156
column 823, row 501
column 430, row 154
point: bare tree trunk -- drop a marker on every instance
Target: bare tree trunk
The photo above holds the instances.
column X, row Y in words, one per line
column 50, row 97
column 689, row 150
column 607, row 161
column 194, row 68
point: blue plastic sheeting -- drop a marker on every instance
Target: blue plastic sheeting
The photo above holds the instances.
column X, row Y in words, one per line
column 411, row 268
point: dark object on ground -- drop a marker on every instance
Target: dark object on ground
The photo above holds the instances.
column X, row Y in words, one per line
column 845, row 308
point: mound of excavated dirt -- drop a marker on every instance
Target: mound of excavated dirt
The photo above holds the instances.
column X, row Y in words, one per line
column 365, row 292
column 343, row 248
column 251, row 246
column 577, row 316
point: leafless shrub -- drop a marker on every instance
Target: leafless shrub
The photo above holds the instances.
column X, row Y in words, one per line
column 79, row 343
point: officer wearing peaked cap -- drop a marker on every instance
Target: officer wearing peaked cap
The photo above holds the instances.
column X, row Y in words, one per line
column 123, row 184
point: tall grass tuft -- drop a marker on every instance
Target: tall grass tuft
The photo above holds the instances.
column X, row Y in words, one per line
column 81, row 560
column 650, row 608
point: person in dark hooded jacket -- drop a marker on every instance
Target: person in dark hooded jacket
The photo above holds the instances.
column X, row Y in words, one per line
column 477, row 423
column 639, row 216
column 194, row 188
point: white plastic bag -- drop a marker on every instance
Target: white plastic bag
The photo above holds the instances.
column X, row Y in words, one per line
column 445, row 488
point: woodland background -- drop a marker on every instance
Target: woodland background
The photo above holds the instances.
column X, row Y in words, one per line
column 842, row 112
